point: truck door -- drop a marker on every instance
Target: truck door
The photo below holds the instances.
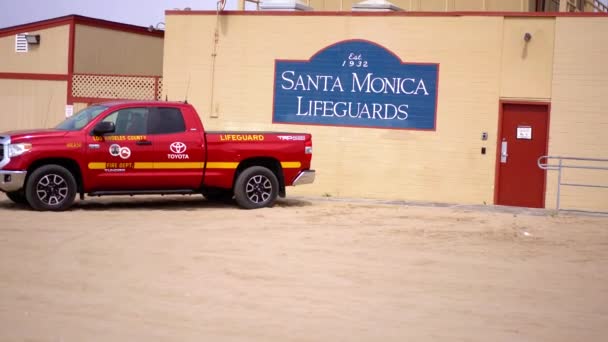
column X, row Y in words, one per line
column 179, row 149
column 122, row 160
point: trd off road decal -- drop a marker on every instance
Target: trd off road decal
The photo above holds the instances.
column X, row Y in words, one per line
column 356, row 83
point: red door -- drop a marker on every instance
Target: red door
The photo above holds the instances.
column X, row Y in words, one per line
column 523, row 139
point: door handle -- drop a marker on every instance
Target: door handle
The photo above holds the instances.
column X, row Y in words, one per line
column 503, row 151
column 143, row 142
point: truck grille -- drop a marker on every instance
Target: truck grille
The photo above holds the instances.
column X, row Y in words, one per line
column 3, row 146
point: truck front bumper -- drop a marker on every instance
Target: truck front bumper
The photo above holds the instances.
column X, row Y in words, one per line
column 304, row 177
column 12, row 180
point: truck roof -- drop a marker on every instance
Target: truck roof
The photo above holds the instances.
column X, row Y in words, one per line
column 142, row 102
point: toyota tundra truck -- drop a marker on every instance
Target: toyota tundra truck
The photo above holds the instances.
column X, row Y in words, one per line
column 137, row 147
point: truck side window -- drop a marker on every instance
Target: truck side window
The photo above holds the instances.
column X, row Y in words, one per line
column 129, row 121
column 166, row 121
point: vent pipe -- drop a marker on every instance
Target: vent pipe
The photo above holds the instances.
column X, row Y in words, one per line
column 376, row 6
column 284, row 5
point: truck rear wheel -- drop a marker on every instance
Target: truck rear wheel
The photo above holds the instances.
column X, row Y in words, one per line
column 256, row 187
column 17, row 197
column 50, row 187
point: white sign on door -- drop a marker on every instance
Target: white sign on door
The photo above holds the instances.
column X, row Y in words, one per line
column 524, row 132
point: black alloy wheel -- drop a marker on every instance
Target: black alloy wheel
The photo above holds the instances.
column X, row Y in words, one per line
column 50, row 187
column 256, row 187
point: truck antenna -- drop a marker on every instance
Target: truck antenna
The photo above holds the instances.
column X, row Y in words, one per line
column 187, row 89
column 48, row 110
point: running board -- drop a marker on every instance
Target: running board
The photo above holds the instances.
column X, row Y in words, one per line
column 143, row 192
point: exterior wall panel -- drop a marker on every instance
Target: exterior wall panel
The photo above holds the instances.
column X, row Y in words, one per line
column 428, row 166
column 429, row 5
column 31, row 104
column 482, row 59
column 49, row 57
column 578, row 116
column 468, row 5
column 105, row 51
column 508, row 6
column 527, row 67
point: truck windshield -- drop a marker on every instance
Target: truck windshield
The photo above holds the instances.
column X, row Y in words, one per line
column 81, row 119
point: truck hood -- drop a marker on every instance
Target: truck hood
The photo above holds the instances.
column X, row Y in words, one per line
column 34, row 134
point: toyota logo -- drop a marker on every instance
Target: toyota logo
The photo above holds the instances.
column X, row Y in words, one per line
column 178, row 147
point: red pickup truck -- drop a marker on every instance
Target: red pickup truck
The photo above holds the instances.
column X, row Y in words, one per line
column 133, row 147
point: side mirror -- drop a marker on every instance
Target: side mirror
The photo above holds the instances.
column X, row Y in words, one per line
column 104, row 127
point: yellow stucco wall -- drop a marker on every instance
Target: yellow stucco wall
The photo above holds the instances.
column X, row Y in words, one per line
column 50, row 57
column 527, row 67
column 579, row 117
column 31, row 103
column 429, row 5
column 482, row 60
column 444, row 165
column 105, row 51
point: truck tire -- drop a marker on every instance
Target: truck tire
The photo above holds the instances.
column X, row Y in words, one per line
column 256, row 187
column 17, row 197
column 50, row 188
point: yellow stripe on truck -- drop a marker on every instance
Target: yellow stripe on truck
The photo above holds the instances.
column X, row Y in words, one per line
column 97, row 166
column 185, row 165
column 222, row 165
column 169, row 165
column 141, row 165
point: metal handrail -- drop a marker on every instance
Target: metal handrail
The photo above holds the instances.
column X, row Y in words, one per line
column 598, row 5
column 582, row 6
column 544, row 163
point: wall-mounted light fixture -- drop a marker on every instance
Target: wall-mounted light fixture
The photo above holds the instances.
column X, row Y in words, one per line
column 527, row 37
column 32, row 39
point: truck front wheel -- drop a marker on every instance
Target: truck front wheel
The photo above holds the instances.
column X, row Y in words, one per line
column 50, row 187
column 256, row 187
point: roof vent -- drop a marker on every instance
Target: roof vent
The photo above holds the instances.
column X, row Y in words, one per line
column 284, row 5
column 21, row 42
column 376, row 6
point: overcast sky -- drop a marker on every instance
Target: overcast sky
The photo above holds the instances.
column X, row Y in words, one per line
column 137, row 12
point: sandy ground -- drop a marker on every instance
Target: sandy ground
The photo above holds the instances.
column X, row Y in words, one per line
column 183, row 269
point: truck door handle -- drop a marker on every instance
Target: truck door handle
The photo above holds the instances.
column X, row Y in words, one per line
column 143, row 142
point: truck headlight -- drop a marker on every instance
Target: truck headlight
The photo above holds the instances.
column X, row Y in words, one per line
column 15, row 150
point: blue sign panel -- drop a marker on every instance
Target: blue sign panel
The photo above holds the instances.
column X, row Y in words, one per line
column 356, row 83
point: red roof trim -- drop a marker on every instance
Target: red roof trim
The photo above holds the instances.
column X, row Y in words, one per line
column 78, row 19
column 35, row 26
column 112, row 25
column 393, row 14
column 119, row 75
column 27, row 76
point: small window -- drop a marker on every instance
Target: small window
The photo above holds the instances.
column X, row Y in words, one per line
column 21, row 43
column 166, row 121
column 129, row 121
